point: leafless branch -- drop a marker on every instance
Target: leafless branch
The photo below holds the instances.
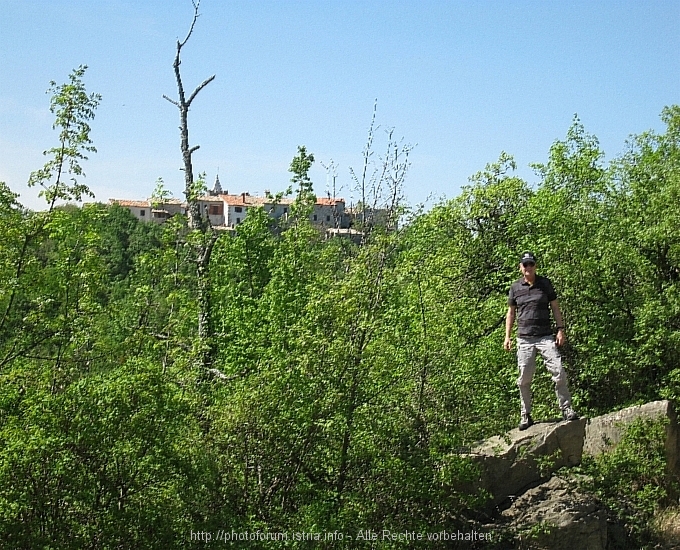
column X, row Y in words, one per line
column 191, row 28
column 199, row 88
column 171, row 100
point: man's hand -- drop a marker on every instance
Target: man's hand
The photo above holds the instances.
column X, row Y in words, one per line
column 509, row 321
column 561, row 338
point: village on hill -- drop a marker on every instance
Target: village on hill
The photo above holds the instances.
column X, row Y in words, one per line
column 226, row 211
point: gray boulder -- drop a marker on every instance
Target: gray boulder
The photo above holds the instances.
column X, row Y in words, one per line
column 510, row 464
column 555, row 516
column 604, row 433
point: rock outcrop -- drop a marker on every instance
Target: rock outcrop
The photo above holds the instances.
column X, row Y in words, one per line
column 556, row 516
column 548, row 512
column 604, row 433
column 511, row 464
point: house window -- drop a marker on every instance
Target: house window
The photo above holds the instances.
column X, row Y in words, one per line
column 314, row 217
column 238, row 209
column 142, row 212
column 328, row 218
column 238, row 220
column 215, row 209
column 285, row 210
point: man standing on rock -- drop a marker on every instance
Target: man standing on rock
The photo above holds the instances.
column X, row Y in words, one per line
column 530, row 299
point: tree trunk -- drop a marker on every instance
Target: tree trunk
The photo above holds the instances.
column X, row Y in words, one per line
column 195, row 218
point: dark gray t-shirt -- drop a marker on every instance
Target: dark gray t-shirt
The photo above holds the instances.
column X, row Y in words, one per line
column 533, row 306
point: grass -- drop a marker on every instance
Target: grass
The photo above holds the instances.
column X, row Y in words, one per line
column 666, row 527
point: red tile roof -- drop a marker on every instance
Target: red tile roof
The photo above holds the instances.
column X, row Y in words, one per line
column 242, row 199
column 128, row 203
column 325, row 201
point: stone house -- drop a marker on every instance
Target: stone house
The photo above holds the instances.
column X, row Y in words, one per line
column 139, row 209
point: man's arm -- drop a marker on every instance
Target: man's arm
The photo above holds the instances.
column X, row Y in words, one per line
column 509, row 321
column 557, row 314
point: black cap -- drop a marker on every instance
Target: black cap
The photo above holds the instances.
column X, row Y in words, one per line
column 527, row 257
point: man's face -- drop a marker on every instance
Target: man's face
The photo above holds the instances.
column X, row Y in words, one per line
column 528, row 269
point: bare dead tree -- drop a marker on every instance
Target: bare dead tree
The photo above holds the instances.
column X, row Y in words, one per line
column 381, row 183
column 365, row 180
column 332, row 173
column 192, row 190
column 395, row 166
column 196, row 220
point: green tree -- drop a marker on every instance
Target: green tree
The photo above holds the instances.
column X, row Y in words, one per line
column 73, row 109
column 27, row 303
column 160, row 194
column 614, row 228
column 299, row 167
column 647, row 188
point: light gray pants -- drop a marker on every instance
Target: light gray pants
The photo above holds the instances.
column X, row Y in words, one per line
column 526, row 360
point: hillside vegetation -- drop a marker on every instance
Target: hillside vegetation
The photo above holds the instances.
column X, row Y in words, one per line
column 344, row 380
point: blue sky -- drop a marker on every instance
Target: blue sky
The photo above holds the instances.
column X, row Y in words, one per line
column 460, row 80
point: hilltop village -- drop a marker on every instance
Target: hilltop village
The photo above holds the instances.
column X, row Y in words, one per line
column 226, row 211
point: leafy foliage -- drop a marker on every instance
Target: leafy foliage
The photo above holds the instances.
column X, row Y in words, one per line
column 73, row 108
column 633, row 480
column 344, row 381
